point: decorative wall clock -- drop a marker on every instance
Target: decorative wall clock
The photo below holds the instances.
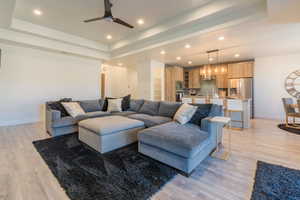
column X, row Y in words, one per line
column 292, row 84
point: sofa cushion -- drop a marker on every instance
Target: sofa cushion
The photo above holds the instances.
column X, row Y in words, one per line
column 184, row 140
column 201, row 113
column 124, row 113
column 135, row 105
column 150, row 120
column 150, row 107
column 109, row 125
column 91, row 115
column 91, row 105
column 168, row 109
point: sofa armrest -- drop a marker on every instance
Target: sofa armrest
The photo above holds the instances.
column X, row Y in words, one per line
column 52, row 115
column 204, row 124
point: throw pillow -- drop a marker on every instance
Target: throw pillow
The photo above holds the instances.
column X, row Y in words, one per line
column 73, row 108
column 56, row 105
column 105, row 103
column 126, row 102
column 202, row 112
column 114, row 105
column 185, row 113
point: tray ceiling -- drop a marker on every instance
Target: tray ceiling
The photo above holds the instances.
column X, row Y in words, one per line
column 67, row 15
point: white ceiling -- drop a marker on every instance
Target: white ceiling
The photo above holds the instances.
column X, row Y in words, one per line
column 67, row 15
column 250, row 40
column 251, row 28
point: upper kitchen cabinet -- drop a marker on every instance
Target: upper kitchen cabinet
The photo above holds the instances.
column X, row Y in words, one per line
column 178, row 73
column 194, row 78
column 221, row 76
column 240, row 70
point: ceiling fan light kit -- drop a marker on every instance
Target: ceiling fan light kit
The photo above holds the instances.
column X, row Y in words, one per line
column 109, row 17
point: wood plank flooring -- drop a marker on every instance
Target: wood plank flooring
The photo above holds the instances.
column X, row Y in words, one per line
column 25, row 176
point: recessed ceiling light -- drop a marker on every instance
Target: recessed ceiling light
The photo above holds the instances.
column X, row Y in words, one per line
column 237, row 55
column 187, row 46
column 109, row 37
column 211, row 59
column 178, row 58
column 221, row 38
column 162, row 52
column 120, row 64
column 37, row 12
column 140, row 21
column 190, row 62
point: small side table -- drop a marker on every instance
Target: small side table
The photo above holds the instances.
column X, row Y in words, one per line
column 223, row 155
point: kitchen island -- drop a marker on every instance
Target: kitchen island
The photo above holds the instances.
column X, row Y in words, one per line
column 239, row 110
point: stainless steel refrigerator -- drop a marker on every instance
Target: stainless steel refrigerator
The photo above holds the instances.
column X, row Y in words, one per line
column 241, row 88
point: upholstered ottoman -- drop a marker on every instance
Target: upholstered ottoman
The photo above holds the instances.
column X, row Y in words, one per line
column 109, row 133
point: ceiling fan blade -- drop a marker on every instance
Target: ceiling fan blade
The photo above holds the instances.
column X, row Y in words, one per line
column 94, row 19
column 119, row 21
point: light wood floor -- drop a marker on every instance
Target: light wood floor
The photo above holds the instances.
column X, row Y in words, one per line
column 25, row 176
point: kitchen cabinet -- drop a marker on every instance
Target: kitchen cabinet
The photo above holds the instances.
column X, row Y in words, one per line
column 194, row 78
column 172, row 75
column 221, row 81
column 220, row 72
column 240, row 70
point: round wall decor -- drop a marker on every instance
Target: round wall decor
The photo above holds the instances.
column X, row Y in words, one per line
column 292, row 84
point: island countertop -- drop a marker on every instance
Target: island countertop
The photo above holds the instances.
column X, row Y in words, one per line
column 238, row 109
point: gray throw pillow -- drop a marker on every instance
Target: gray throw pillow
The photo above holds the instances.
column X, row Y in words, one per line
column 150, row 107
column 168, row 109
column 135, row 105
column 91, row 105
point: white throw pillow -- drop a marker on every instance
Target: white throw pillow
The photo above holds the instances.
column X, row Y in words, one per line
column 73, row 108
column 185, row 113
column 114, row 105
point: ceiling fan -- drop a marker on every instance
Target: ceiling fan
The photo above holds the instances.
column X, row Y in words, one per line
column 108, row 16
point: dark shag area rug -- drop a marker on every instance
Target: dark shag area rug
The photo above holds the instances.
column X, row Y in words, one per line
column 289, row 129
column 87, row 175
column 274, row 182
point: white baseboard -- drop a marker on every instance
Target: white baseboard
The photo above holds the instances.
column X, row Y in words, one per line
column 19, row 122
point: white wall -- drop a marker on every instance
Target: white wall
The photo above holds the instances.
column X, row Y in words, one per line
column 269, row 78
column 29, row 78
column 132, row 82
column 157, row 80
column 147, row 72
column 144, row 79
column 116, row 81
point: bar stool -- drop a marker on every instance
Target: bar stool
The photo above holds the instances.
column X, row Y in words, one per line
column 235, row 106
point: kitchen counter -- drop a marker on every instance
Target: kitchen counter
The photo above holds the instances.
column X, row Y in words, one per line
column 239, row 110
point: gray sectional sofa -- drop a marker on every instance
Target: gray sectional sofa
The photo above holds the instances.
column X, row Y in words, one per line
column 180, row 146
